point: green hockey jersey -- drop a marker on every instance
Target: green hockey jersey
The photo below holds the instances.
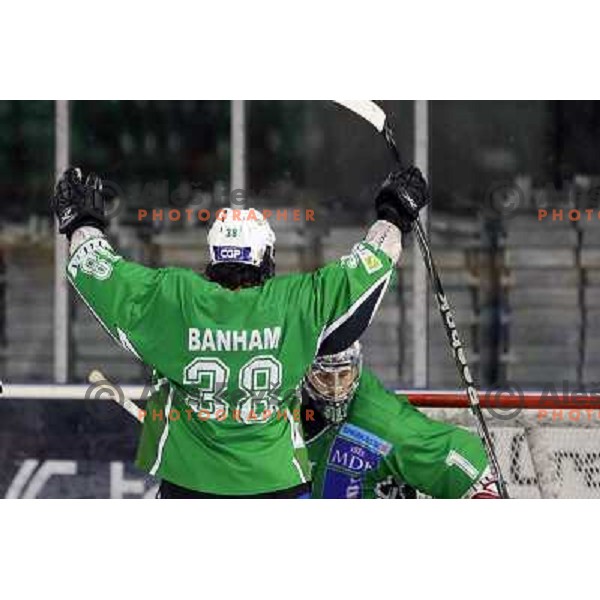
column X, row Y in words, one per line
column 224, row 418
column 386, row 443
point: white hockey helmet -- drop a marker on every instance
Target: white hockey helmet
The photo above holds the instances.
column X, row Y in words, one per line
column 240, row 236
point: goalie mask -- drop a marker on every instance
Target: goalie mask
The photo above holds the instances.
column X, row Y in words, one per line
column 332, row 381
column 243, row 238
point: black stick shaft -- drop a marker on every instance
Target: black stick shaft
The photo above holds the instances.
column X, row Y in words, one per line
column 460, row 359
column 449, row 323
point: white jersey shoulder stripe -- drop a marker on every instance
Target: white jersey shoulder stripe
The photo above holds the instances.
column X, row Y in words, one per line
column 164, row 435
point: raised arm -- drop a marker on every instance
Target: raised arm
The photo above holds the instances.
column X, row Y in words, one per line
column 118, row 292
column 349, row 291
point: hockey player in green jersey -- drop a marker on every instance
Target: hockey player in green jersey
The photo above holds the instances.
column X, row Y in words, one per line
column 366, row 442
column 230, row 348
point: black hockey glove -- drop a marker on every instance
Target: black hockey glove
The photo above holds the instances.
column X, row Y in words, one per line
column 403, row 194
column 76, row 203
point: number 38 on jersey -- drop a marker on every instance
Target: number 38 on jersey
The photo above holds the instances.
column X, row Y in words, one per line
column 255, row 399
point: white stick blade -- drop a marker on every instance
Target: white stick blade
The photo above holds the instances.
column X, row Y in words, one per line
column 368, row 110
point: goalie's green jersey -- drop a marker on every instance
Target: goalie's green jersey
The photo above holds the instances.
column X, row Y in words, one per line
column 385, row 443
column 224, row 418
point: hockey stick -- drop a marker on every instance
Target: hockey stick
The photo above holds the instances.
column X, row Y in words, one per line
column 100, row 382
column 374, row 114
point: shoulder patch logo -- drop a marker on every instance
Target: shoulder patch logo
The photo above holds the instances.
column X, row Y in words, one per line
column 96, row 267
column 371, row 263
column 94, row 257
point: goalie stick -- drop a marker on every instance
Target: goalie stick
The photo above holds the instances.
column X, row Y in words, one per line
column 100, row 382
column 374, row 114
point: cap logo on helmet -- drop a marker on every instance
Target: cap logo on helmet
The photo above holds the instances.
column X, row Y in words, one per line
column 232, row 253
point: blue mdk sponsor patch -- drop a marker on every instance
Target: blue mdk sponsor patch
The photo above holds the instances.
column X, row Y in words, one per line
column 351, row 457
column 353, row 452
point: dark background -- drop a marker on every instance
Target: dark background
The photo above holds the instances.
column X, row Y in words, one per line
column 527, row 294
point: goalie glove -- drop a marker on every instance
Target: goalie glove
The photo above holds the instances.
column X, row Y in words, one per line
column 403, row 194
column 76, row 203
column 485, row 488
